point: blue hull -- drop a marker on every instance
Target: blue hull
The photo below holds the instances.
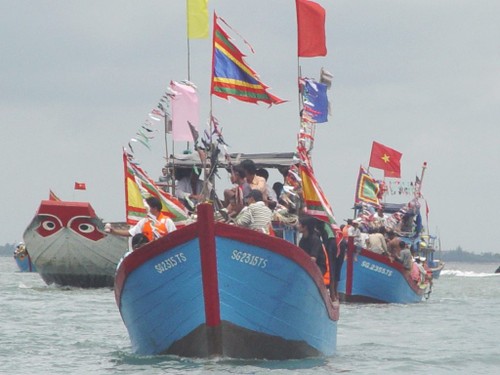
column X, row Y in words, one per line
column 24, row 263
column 212, row 289
column 374, row 278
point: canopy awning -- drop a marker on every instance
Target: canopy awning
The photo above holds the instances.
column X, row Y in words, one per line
column 261, row 160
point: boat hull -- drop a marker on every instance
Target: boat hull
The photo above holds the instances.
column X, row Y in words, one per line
column 24, row 263
column 69, row 247
column 373, row 278
column 212, row 289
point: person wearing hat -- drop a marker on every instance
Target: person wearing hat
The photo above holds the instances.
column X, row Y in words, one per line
column 256, row 215
column 355, row 233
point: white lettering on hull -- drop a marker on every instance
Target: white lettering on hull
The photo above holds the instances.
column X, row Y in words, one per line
column 170, row 262
column 248, row 258
column 376, row 268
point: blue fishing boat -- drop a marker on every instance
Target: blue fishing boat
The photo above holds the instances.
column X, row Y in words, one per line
column 428, row 247
column 23, row 259
column 214, row 289
column 374, row 278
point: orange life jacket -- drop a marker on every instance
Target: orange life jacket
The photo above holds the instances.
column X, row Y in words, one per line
column 155, row 229
column 326, row 275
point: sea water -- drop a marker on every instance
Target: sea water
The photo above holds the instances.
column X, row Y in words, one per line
column 55, row 330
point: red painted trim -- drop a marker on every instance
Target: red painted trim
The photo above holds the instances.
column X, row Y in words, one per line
column 208, row 255
column 66, row 209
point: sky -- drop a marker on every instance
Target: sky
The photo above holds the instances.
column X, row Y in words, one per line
column 78, row 79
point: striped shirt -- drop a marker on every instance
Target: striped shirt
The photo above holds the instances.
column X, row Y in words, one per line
column 256, row 216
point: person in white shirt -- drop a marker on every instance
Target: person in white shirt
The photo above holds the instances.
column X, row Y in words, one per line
column 256, row 215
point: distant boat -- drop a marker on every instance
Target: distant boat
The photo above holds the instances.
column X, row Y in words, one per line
column 498, row 270
column 373, row 278
column 23, row 259
column 213, row 289
column 68, row 246
column 427, row 249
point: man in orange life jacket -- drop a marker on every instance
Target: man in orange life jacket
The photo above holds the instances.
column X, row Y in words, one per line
column 153, row 226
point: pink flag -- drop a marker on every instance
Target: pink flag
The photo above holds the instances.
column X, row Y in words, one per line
column 185, row 108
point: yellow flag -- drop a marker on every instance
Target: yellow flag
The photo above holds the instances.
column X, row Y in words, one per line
column 197, row 19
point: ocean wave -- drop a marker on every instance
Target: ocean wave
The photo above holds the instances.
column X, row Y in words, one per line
column 459, row 273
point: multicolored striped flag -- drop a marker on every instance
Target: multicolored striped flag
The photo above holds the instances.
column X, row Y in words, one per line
column 367, row 188
column 315, row 201
column 138, row 186
column 231, row 76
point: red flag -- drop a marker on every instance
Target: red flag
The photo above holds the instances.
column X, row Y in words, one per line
column 80, row 186
column 310, row 29
column 386, row 158
column 52, row 196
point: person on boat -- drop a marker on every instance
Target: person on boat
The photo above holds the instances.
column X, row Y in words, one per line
column 139, row 240
column 355, row 233
column 376, row 241
column 312, row 245
column 164, row 179
column 405, row 257
column 256, row 182
column 327, row 236
column 379, row 218
column 278, row 190
column 418, row 272
column 20, row 251
column 341, row 242
column 272, row 199
column 188, row 187
column 234, row 198
column 256, row 215
column 153, row 226
column 393, row 244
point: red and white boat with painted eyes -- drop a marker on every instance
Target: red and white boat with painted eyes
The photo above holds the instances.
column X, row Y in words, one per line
column 69, row 247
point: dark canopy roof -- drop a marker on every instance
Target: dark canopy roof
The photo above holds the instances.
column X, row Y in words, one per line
column 261, row 160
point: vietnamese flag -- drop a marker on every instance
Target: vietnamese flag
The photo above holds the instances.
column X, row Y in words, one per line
column 80, row 186
column 310, row 29
column 387, row 159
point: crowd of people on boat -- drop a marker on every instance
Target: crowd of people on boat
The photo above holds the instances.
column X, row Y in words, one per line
column 252, row 203
column 377, row 236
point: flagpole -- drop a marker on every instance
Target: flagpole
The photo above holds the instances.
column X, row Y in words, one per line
column 424, row 166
